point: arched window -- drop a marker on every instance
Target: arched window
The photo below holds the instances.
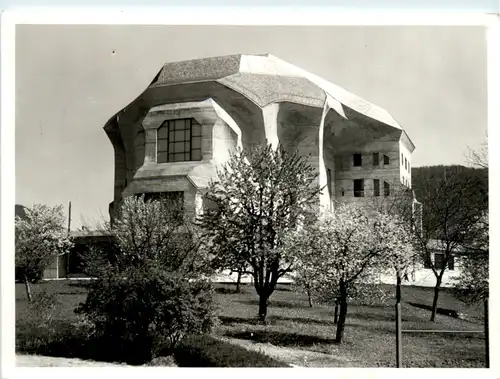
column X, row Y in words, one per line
column 178, row 141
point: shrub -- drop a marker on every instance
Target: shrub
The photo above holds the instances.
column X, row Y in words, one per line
column 145, row 311
column 41, row 310
column 207, row 351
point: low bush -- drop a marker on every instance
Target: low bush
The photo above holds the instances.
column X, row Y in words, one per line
column 207, row 351
column 145, row 311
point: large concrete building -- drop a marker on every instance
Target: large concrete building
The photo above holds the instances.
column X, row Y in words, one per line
column 173, row 136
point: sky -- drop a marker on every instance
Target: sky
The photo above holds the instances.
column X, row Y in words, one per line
column 70, row 79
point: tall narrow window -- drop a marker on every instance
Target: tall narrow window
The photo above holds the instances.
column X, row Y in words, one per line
column 359, row 187
column 409, row 169
column 139, row 148
column 342, row 192
column 375, row 159
column 356, row 160
column 386, row 160
column 178, row 141
column 406, row 164
column 387, row 189
column 401, row 159
column 329, row 181
column 376, row 187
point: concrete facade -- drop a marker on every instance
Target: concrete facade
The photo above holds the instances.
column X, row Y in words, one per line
column 243, row 100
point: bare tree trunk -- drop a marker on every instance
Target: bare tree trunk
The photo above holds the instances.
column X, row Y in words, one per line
column 436, row 295
column 336, row 314
column 398, row 288
column 309, row 298
column 343, row 313
column 263, row 302
column 238, row 282
column 28, row 289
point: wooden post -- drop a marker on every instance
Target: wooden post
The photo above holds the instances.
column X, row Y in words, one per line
column 399, row 346
column 69, row 233
column 486, row 334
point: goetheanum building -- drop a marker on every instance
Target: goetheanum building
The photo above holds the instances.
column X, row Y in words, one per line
column 173, row 136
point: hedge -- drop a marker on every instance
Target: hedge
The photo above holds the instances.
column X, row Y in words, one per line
column 207, row 351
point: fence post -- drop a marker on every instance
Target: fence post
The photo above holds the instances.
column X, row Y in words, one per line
column 399, row 346
column 486, row 334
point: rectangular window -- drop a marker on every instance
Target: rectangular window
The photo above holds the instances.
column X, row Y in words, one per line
column 375, row 159
column 174, row 199
column 356, row 160
column 409, row 169
column 401, row 159
column 178, row 141
column 439, row 261
column 451, row 264
column 359, row 187
column 406, row 164
column 376, row 187
column 329, row 181
column 386, row 160
column 387, row 189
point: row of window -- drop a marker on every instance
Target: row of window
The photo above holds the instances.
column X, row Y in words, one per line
column 405, row 162
column 359, row 188
column 357, row 159
column 439, row 262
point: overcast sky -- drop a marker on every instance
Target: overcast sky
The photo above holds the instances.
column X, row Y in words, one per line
column 71, row 79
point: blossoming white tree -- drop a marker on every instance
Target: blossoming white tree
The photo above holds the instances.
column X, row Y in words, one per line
column 153, row 231
column 260, row 195
column 39, row 239
column 346, row 248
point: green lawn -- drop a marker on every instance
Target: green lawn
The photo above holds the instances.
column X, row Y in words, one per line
column 369, row 333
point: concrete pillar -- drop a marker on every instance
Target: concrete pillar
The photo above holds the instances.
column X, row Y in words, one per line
column 270, row 115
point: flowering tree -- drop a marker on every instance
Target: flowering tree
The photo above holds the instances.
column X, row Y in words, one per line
column 346, row 248
column 154, row 231
column 40, row 238
column 472, row 284
column 260, row 196
column 454, row 200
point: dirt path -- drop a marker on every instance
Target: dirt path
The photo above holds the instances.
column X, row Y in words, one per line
column 42, row 361
column 293, row 356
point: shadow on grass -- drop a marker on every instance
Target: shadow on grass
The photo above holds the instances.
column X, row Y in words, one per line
column 304, row 320
column 229, row 320
column 382, row 317
column 280, row 338
column 272, row 320
column 277, row 304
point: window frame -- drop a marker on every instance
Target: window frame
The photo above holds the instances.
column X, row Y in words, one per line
column 387, row 160
column 376, row 187
column 387, row 189
column 359, row 192
column 376, row 159
column 171, row 156
column 354, row 160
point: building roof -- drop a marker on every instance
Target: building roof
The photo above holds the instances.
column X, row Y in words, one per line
column 264, row 79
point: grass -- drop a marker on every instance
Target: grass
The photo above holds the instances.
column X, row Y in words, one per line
column 369, row 333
